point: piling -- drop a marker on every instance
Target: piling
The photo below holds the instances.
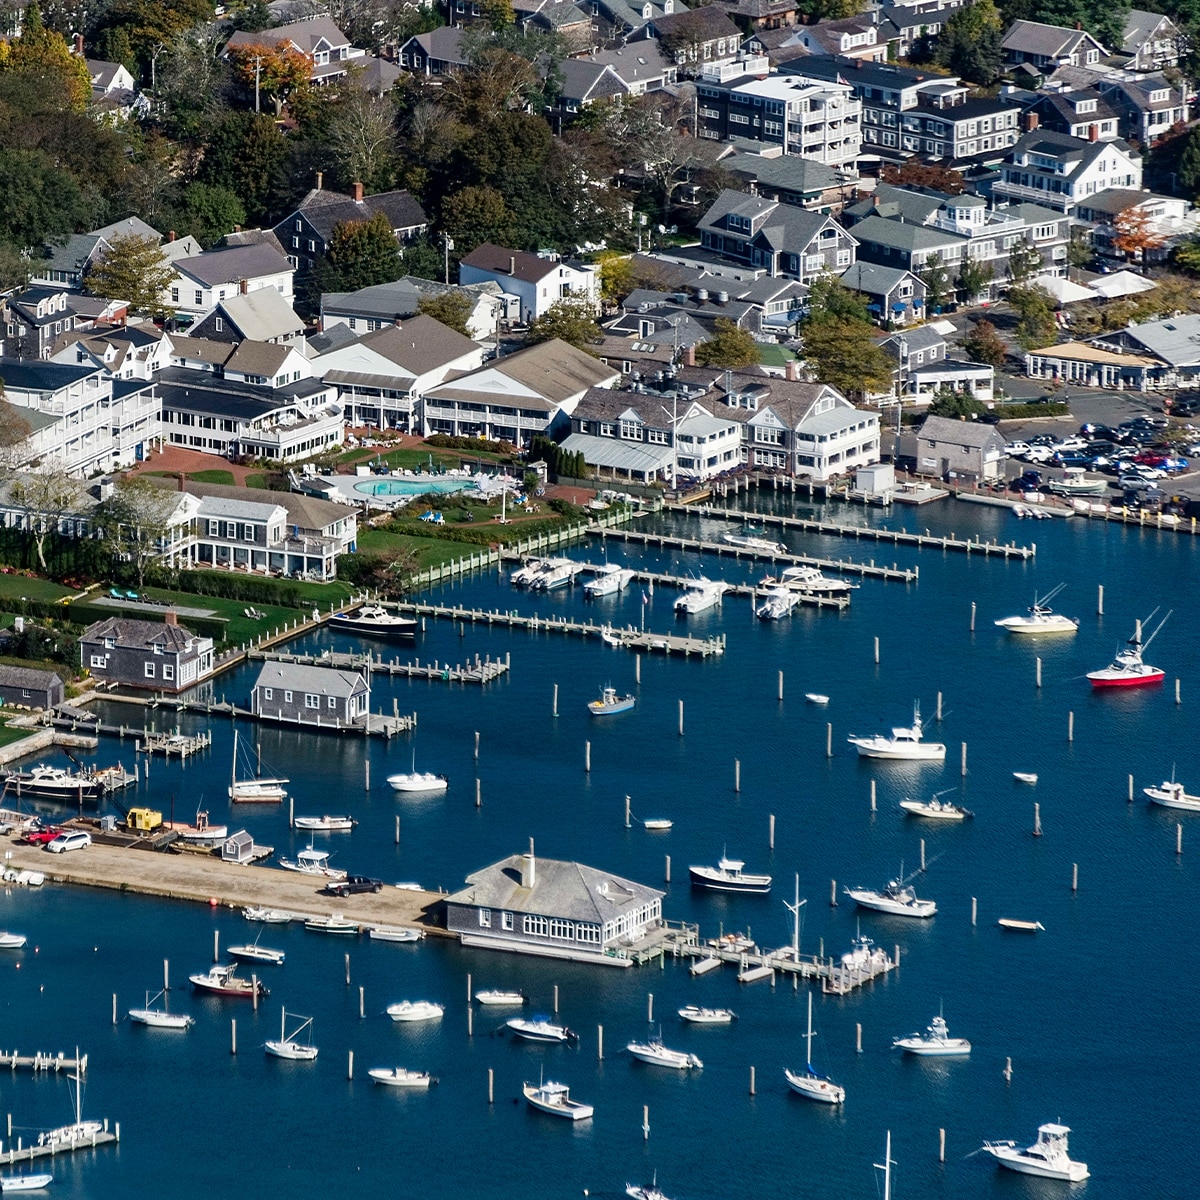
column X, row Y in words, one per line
column 872, row 795
column 470, row 1021
column 216, row 945
column 1177, row 699
column 233, row 1036
column 771, row 832
column 974, row 909
column 752, row 1081
column 941, row 1145
column 1038, row 671
column 166, row 975
column 397, row 829
column 938, row 713
column 478, row 794
column 1037, row 820
column 833, row 893
column 347, row 970
column 1070, row 727
column 1074, row 877
column 350, row 1065
column 1008, row 1071
column 972, row 616
column 964, row 759
column 477, row 745
column 556, row 999
column 291, row 812
column 1178, row 838
column 667, row 870
column 587, row 757
column 362, row 999
column 780, row 685
column 491, row 1086
column 650, row 1008
column 1100, row 600
column 637, row 668
column 366, row 777
column 627, row 825
column 599, row 1043
column 254, row 991
column 828, row 739
column 877, row 651
column 554, row 703
column 681, row 718
column 645, row 1122
column 114, row 1008
column 858, row 1037
column 737, row 774
column 1131, row 789
column 922, row 854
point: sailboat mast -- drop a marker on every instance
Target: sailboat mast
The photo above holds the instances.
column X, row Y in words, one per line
column 233, row 767
column 796, row 948
column 809, row 1035
column 887, row 1168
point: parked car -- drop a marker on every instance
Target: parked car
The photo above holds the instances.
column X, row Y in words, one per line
column 1072, row 443
column 352, row 885
column 1070, row 459
column 75, row 839
column 1016, row 449
column 42, row 837
column 1039, row 454
column 1090, row 429
column 1187, row 407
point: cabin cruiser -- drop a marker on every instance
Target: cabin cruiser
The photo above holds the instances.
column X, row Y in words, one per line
column 904, row 744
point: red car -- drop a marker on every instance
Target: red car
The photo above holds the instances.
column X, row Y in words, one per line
column 42, row 837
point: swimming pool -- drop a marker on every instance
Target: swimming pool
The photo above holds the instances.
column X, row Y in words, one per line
column 411, row 487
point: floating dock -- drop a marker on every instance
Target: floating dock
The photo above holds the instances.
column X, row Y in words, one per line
column 482, row 670
column 38, row 1062
column 17, row 1153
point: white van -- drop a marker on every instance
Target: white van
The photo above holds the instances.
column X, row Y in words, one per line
column 76, row 839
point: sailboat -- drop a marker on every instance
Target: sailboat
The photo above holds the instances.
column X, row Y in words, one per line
column 158, row 1018
column 291, row 1047
column 79, row 1130
column 886, row 1167
column 418, row 781
column 808, row 1083
column 256, row 790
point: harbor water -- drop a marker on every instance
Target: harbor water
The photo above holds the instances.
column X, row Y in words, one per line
column 1097, row 1012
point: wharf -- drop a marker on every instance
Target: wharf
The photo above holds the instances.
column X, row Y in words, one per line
column 39, row 1062
column 19, row 1154
column 866, row 533
column 482, row 670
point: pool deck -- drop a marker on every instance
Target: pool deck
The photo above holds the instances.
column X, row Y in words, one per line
column 357, row 488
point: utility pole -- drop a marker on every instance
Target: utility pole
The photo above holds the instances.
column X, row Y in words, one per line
column 257, row 77
column 448, row 245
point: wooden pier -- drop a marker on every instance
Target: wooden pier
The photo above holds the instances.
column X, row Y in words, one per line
column 482, row 670
column 171, row 744
column 17, row 1153
column 866, row 533
column 39, row 1062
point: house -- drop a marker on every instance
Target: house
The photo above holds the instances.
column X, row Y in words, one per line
column 1079, row 113
column 516, row 397
column 696, row 36
column 372, row 308
column 782, row 239
column 615, row 20
column 161, row 655
column 584, row 83
column 1165, row 219
column 553, row 909
column 1150, row 41
column 538, row 283
column 907, row 30
column 124, row 352
column 306, row 232
column 923, row 369
column 763, row 16
column 893, row 293
column 64, row 266
column 295, row 693
column 966, row 450
column 202, row 282
column 1147, row 107
column 631, row 70
column 437, row 52
column 317, row 37
column 1058, row 171
column 563, row 18
column 815, row 119
column 1046, row 47
column 109, row 79
column 854, row 37
column 261, row 316
column 34, row 319
column 766, row 171
column 22, row 687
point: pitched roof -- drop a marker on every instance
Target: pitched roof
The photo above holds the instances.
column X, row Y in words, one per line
column 444, row 44
column 307, row 513
column 299, row 677
column 1139, row 25
column 1045, row 41
column 306, row 35
column 261, row 315
column 782, row 225
column 128, row 227
column 583, row 80
column 635, row 61
column 257, row 358
column 964, row 433
column 788, row 172
column 131, row 633
column 555, row 369
column 702, row 23
column 873, row 278
column 324, row 209
column 520, row 264
column 253, row 237
column 233, row 264
column 73, row 255
column 420, row 344
column 27, row 677
column 901, row 235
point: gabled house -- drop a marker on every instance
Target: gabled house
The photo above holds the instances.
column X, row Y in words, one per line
column 23, row 687
column 1147, row 107
column 202, row 282
column 1046, row 47
column 125, row 352
column 1081, row 113
column 631, row 70
column 34, row 319
column 854, row 37
column 893, row 293
column 1058, row 171
column 966, row 450
column 161, row 655
column 261, row 316
column 1166, row 218
column 696, row 36
column 537, row 282
column 65, row 265
column 372, row 308
column 615, row 20
column 1150, row 41
column 790, row 178
column 317, row 37
column 437, row 52
column 299, row 694
column 562, row 17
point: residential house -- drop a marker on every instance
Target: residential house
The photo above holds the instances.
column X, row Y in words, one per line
column 615, row 20
column 763, row 15
column 64, row 266
column 297, row 694
column 306, row 232
column 893, row 293
column 516, row 397
column 815, row 119
column 112, row 84
column 782, row 239
column 372, row 308
column 696, row 36
column 625, row 434
column 1081, row 113
column 852, row 37
column 161, row 655
column 34, row 319
column 1148, row 107
column 553, row 909
column 564, row 18
column 907, row 31
column 584, row 83
column 261, row 316
column 923, row 369
column 124, row 352
column 766, row 171
column 23, row 687
column 631, row 70
column 382, row 377
column 202, row 282
column 967, row 450
column 1046, row 47
column 1164, row 219
column 1058, row 171
column 538, row 283
column 1150, row 41
column 438, row 52
column 317, row 37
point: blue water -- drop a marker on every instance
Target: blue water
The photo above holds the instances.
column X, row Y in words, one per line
column 1097, row 1013
column 411, row 487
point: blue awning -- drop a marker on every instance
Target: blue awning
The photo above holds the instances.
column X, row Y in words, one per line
column 899, row 307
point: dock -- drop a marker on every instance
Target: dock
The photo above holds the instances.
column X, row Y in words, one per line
column 865, row 533
column 39, row 1062
column 482, row 670
column 17, row 1153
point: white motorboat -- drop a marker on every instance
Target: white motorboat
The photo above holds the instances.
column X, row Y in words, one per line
column 269, row 916
column 199, row 833
column 816, row 698
column 1025, row 776
column 555, row 573
column 1075, row 483
column 414, row 781
column 1040, row 618
column 373, row 620
column 864, row 955
column 1169, row 794
column 1048, row 1157
column 497, row 997
column 555, row 1098
column 389, row 933
column 25, row 1183
column 727, row 876
column 750, row 538
column 55, row 783
column 401, row 1077
column 935, row 809
column 335, row 923
column 415, row 1010
column 1128, row 669
column 777, row 603
column 540, row 1030
column 324, row 824
column 157, row 1018
column 256, row 790
column 935, row 1042
column 253, row 952
column 638, row 1191
column 312, row 862
column 12, row 941
column 897, row 899
column 808, row 1083
column 808, row 581
column 1020, row 926
column 609, row 703
column 700, row 595
column 658, row 1055
column 224, row 981
column 289, row 1045
column 707, row 1016
column 610, row 579
column 657, row 824
column 904, row 744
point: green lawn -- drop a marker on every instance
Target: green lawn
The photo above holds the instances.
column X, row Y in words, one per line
column 430, row 552
column 23, row 587
column 214, row 476
column 256, row 481
column 8, row 736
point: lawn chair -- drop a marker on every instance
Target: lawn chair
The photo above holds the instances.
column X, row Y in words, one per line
column 132, row 596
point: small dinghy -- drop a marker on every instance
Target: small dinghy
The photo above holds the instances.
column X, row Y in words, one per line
column 1025, row 776
column 1021, row 926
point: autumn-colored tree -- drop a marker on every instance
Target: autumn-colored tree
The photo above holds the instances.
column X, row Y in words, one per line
column 729, row 346
column 133, row 269
column 1135, row 233
column 44, row 58
column 984, row 345
column 615, row 271
column 278, row 71
column 916, row 173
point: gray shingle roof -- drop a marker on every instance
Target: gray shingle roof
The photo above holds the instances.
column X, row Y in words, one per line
column 900, row 235
column 135, row 634
column 233, row 264
column 299, row 677
column 324, row 209
column 262, row 315
column 26, row 677
column 420, row 344
column 519, row 264
column 962, row 433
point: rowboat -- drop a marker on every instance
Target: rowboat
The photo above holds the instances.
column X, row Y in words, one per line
column 386, row 933
column 816, row 698
column 1020, row 926
column 24, row 1183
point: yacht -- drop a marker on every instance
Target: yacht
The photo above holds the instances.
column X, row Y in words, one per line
column 904, row 744
column 777, row 603
column 727, row 876
column 936, row 809
column 609, row 580
column 1128, row 669
column 223, row 981
column 935, row 1042
column 897, row 899
column 1040, row 618
column 808, row 580
column 701, row 595
column 374, row 620
column 54, row 783
column 555, row 573
column 658, row 1055
column 540, row 1030
column 1047, row 1157
column 555, row 1098
column 750, row 538
column 1171, row 795
column 808, row 1083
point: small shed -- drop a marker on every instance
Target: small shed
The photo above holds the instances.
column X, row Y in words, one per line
column 876, row 483
column 238, row 848
column 28, row 688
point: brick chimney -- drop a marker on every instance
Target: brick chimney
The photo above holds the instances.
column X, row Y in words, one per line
column 77, row 45
column 320, row 180
column 689, row 356
column 1031, row 122
column 1093, row 133
column 791, row 369
column 171, row 236
column 182, row 480
column 356, row 192
column 1079, row 25
column 244, row 286
column 169, row 618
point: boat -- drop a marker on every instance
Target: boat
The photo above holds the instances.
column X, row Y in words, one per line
column 807, row 581
column 1021, row 926
column 897, row 899
column 658, row 1055
column 707, row 1016
column 732, row 943
column 386, row 933
column 1169, row 794
column 864, row 955
column 497, row 997
column 55, row 783
column 610, row 703
column 555, row 1098
column 1040, row 618
column 269, row 916
column 373, row 620
column 224, row 981
column 289, row 1045
column 808, row 1083
column 324, row 824
column 201, row 833
column 540, row 1030
column 312, row 862
column 1048, row 1157
column 700, row 594
column 657, row 824
column 79, row 1131
column 12, row 941
column 25, row 1183
column 425, row 782
column 610, row 637
column 257, row 790
column 253, row 952
column 1025, row 776
column 157, row 1018
column 816, row 698
column 609, row 580
column 415, row 1010
column 638, row 1191
column 777, row 603
column 727, row 876
column 1075, row 483
column 935, row 809
column 1128, row 669
column 335, row 923
column 935, row 1042
column 555, row 573
column 750, row 538
column 904, row 744
column 525, row 574
column 401, row 1077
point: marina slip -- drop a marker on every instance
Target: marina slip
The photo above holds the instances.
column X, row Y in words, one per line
column 721, row 750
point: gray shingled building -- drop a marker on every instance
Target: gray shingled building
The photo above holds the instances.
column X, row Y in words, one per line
column 27, row 688
column 293, row 692
column 162, row 655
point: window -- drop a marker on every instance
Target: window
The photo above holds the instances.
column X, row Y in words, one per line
column 268, row 693
column 506, row 921
column 485, row 918
column 199, row 296
column 99, row 660
column 168, row 671
column 218, row 324
column 535, row 926
column 332, row 702
column 174, row 295
column 149, row 670
column 287, row 697
column 311, row 701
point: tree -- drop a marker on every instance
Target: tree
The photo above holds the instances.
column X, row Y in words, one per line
column 362, row 253
column 44, row 59
column 830, row 300
column 208, row 212
column 1189, row 163
column 39, row 201
column 14, row 268
column 137, row 520
column 1186, row 256
column 277, row 71
column 984, row 345
column 949, row 403
column 916, row 173
column 937, row 285
column 45, row 497
column 1135, row 233
column 571, row 319
column 844, row 354
column 1024, row 262
column 451, row 308
column 729, row 346
column 14, row 429
column 974, row 279
column 133, row 269
column 1035, row 308
column 969, row 44
column 477, row 214
column 362, row 135
column 616, row 276
column 1079, row 250
column 244, row 152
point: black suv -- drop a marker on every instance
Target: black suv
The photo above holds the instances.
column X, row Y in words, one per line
column 352, row 885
